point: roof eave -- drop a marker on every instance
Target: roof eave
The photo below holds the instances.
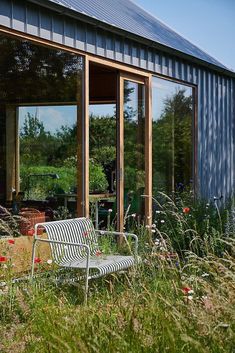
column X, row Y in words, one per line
column 97, row 23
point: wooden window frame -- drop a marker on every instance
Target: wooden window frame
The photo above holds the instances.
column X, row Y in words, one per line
column 132, row 74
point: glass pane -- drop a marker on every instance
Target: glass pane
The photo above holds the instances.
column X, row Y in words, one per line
column 33, row 73
column 49, row 173
column 134, row 134
column 103, row 164
column 40, row 92
column 172, row 136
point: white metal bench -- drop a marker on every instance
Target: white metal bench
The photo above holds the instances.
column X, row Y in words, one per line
column 74, row 244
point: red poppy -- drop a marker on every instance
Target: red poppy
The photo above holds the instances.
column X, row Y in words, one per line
column 98, row 253
column 186, row 290
column 37, row 260
column 30, row 232
column 3, row 259
column 40, row 231
column 186, row 210
column 11, row 241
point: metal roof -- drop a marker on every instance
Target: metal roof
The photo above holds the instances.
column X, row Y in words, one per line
column 127, row 16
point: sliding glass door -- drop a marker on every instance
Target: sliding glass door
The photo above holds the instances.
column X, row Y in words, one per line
column 131, row 147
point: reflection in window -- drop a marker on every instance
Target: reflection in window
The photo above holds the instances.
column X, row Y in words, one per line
column 102, row 168
column 40, row 92
column 48, row 151
column 134, row 132
column 172, row 136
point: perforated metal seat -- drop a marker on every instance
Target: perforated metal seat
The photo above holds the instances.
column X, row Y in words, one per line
column 74, row 244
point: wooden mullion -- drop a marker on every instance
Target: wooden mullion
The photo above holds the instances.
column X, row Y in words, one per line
column 148, row 151
column 120, row 154
column 83, row 146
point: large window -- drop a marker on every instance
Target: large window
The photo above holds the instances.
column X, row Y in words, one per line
column 40, row 112
column 172, row 136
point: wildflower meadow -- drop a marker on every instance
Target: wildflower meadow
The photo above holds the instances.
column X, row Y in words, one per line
column 180, row 298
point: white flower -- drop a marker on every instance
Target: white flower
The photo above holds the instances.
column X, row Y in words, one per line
column 154, row 226
column 2, row 284
column 190, row 297
column 153, row 231
column 49, row 261
column 162, row 221
column 4, row 266
column 157, row 242
column 205, row 274
column 147, row 226
column 158, row 212
column 133, row 215
column 190, row 291
column 110, row 210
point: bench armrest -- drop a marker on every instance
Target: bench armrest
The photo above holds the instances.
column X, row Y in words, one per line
column 62, row 242
column 125, row 235
column 36, row 238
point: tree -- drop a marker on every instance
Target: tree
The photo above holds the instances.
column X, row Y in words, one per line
column 172, row 143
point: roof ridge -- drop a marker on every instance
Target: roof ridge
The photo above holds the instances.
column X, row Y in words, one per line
column 178, row 33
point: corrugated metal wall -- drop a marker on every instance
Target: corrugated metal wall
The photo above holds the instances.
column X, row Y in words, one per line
column 216, row 93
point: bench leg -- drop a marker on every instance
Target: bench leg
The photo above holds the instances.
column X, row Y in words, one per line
column 87, row 280
column 33, row 258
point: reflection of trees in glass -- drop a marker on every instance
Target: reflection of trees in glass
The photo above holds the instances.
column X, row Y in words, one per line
column 134, row 171
column 103, row 147
column 40, row 147
column 172, row 143
column 33, row 73
column 42, row 152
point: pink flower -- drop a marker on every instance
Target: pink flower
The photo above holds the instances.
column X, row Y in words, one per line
column 186, row 210
column 37, row 260
column 98, row 253
column 11, row 241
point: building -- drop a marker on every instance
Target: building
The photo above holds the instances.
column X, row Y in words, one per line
column 102, row 85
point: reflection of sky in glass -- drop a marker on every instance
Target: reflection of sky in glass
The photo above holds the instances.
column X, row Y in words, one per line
column 102, row 109
column 131, row 94
column 52, row 117
column 55, row 116
column 163, row 89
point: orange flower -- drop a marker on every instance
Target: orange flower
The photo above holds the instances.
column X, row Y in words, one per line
column 186, row 210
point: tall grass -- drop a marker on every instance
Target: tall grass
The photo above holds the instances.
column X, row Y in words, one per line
column 175, row 301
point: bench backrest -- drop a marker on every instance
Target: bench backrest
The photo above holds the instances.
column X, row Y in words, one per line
column 77, row 230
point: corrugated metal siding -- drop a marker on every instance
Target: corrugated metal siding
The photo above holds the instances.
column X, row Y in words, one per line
column 216, row 93
column 128, row 16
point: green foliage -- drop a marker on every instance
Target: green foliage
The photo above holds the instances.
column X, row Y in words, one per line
column 201, row 223
column 147, row 311
column 39, row 187
column 98, row 181
column 9, row 224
